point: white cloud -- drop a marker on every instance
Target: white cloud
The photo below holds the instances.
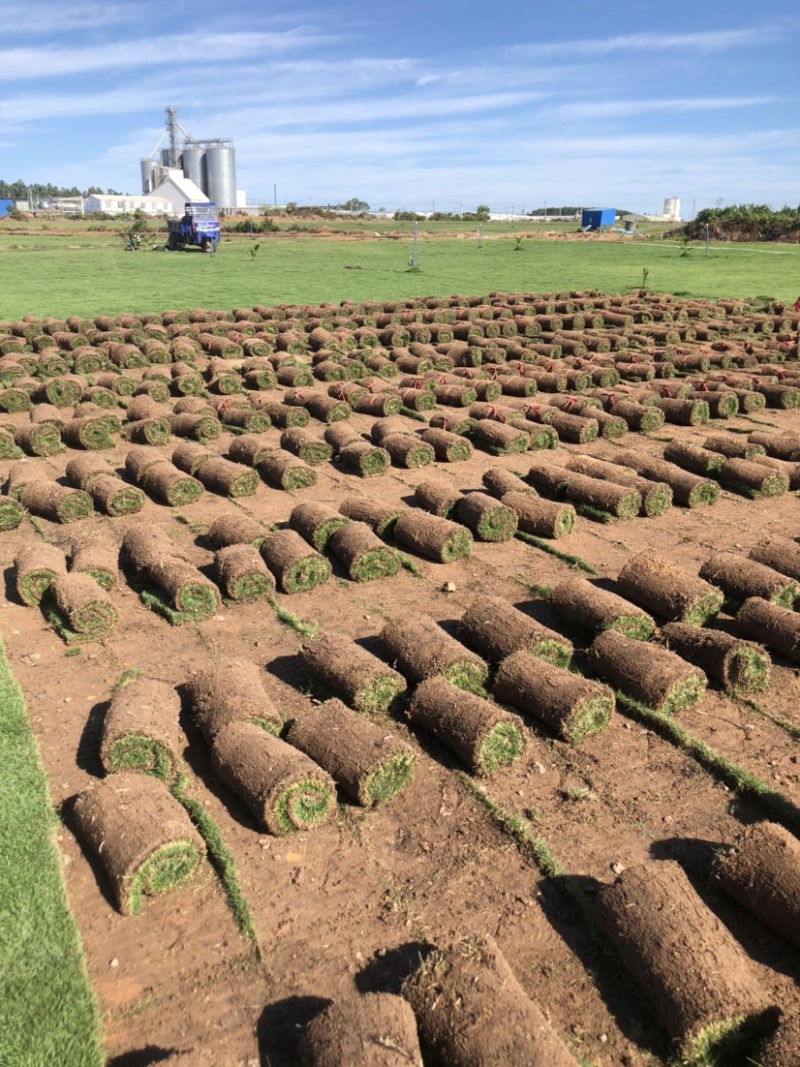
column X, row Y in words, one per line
column 709, row 41
column 624, row 108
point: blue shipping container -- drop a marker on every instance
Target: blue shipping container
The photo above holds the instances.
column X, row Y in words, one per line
column 5, row 206
column 596, row 218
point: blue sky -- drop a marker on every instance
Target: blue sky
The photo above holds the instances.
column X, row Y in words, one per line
column 439, row 105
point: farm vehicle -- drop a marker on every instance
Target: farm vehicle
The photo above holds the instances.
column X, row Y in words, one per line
column 199, row 228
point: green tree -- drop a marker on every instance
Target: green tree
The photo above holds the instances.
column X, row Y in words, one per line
column 355, row 204
column 482, row 212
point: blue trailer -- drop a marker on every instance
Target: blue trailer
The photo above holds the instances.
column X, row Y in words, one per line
column 598, row 218
column 199, row 228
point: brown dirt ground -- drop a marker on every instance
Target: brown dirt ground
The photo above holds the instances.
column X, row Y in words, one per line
column 351, row 904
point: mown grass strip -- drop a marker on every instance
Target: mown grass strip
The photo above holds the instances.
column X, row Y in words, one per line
column 47, row 1011
column 567, row 557
column 305, row 629
column 734, row 776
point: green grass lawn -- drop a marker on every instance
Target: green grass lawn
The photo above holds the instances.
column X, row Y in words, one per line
column 92, row 274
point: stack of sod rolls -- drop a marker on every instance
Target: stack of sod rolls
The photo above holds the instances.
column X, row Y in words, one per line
column 352, row 673
column 655, row 584
column 496, row 629
column 377, row 1028
column 141, row 731
column 483, row 735
column 471, row 1009
column 421, row 649
column 231, row 691
column 646, row 673
column 181, row 592
column 365, row 759
column 653, row 917
column 579, row 602
column 535, row 516
column 284, row 789
column 572, row 706
column 141, row 836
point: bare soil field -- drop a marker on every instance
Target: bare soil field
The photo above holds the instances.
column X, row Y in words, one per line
column 352, row 905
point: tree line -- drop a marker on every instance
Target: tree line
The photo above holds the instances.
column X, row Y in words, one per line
column 20, row 190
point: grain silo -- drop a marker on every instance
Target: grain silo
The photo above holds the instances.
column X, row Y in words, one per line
column 220, row 174
column 210, row 164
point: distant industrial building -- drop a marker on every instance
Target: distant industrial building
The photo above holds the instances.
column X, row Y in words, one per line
column 598, row 218
column 115, row 204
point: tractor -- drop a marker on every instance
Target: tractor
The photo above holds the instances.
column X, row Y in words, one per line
column 199, row 228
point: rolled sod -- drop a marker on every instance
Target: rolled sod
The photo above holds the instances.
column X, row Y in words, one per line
column 380, row 517
column 284, row 789
column 362, row 553
column 483, row 735
column 250, row 449
column 439, row 498
column 741, row 667
column 242, row 574
column 784, row 446
column 436, row 539
column 165, row 482
column 572, row 706
column 447, row 447
column 376, row 1029
column 285, row 471
column 149, row 431
column 316, row 523
column 421, row 649
column 656, row 496
column 471, row 1010
column 740, row 578
column 142, row 837
column 752, row 479
column 622, row 501
column 231, row 691
column 198, row 427
column 689, row 490
column 652, row 675
column 141, row 731
column 61, row 392
column 39, row 439
column 235, row 529
column 501, row 438
column 113, row 497
column 778, row 628
column 733, row 447
column 488, row 519
column 25, row 471
column 11, row 514
column 36, row 566
column 452, row 422
column 580, row 603
column 226, row 478
column 297, row 567
column 656, row 922
column 88, row 432
column 55, row 502
column 97, row 557
column 694, row 458
column 657, row 585
column 138, row 459
column 780, row 553
column 188, row 596
column 366, row 760
column 499, row 482
column 352, row 673
column 406, row 450
column 762, row 872
column 365, row 459
column 190, row 456
column 304, row 444
column 497, row 629
column 791, row 470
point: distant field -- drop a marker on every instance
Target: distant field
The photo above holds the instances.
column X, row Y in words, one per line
column 89, row 274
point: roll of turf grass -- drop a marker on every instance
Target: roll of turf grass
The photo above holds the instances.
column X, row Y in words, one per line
column 98, row 557
column 56, row 502
column 471, row 1009
column 226, row 478
column 231, row 691
column 352, row 673
column 655, row 584
column 656, row 496
column 166, row 483
column 483, row 735
column 501, row 438
column 365, row 459
column 142, row 837
column 375, row 1028
column 198, row 427
column 284, row 789
column 689, row 490
column 242, row 574
column 366, row 760
column 297, row 567
column 752, row 479
column 406, row 450
column 542, row 518
column 251, row 449
column 438, row 498
column 741, row 667
column 436, row 539
column 141, row 732
column 624, row 502
column 572, row 706
column 305, row 445
column 778, row 628
column 84, row 611
column 694, row 458
column 739, row 578
column 447, row 447
column 580, row 603
column 362, row 553
column 646, row 673
column 653, row 917
column 762, row 872
column 235, row 529
column 380, row 517
column 488, row 519
column 421, row 649
column 36, row 567
column 780, row 553
column 151, row 431
column 11, row 514
column 316, row 522
column 496, row 629
column 285, row 471
column 39, row 439
column 88, row 432
column 113, row 497
column 499, row 482
column 183, row 594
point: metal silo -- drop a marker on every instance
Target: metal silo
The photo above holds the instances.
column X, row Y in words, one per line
column 192, row 163
column 148, row 167
column 220, row 174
